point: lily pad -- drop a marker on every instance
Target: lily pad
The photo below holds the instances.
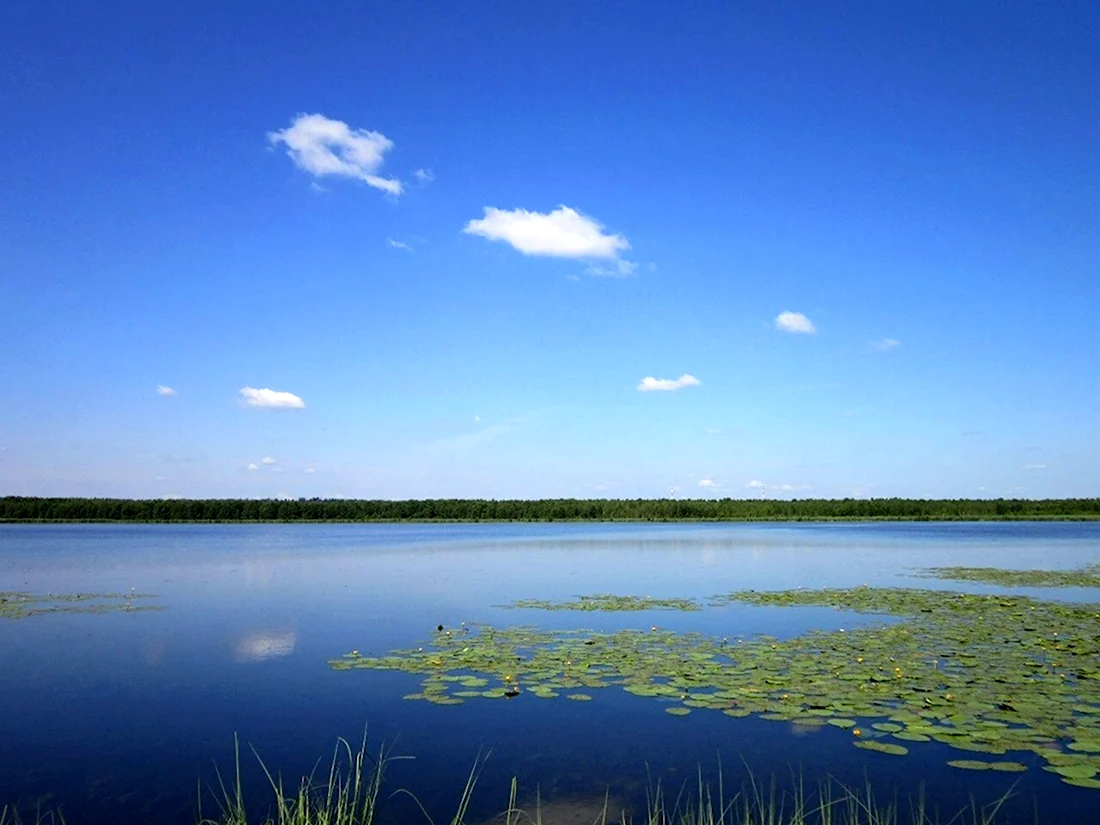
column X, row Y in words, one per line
column 881, row 747
column 970, row 764
column 842, row 723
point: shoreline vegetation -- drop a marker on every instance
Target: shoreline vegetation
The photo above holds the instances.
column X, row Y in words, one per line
column 354, row 791
column 25, row 509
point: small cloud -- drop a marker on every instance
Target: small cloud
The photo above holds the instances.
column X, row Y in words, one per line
column 316, row 188
column 477, row 419
column 650, row 384
column 398, row 245
column 268, row 460
column 622, row 269
column 271, row 399
column 1035, row 466
column 714, row 431
column 563, row 233
column 322, row 146
column 794, row 322
column 708, row 483
column 167, row 392
column 756, row 485
column 253, row 466
column 425, row 176
column 886, row 344
column 309, row 471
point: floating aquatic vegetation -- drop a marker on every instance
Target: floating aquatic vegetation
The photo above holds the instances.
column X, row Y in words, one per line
column 15, row 605
column 1088, row 576
column 608, row 602
column 983, row 674
column 882, row 747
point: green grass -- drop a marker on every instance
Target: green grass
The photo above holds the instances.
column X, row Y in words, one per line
column 350, row 791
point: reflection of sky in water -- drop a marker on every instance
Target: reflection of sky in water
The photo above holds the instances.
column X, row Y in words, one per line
column 255, row 611
column 270, row 644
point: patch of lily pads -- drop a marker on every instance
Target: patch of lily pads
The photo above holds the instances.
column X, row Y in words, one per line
column 1088, row 576
column 609, row 602
column 982, row 674
column 17, row 605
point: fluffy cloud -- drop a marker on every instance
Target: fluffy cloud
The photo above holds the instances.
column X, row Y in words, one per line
column 425, row 176
column 707, row 482
column 267, row 460
column 886, row 344
column 271, row 399
column 309, row 471
column 794, row 322
column 650, row 384
column 756, row 485
column 167, row 392
column 398, row 245
column 253, row 466
column 322, row 146
column 563, row 233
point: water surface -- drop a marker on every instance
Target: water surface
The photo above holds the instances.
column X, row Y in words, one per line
column 121, row 715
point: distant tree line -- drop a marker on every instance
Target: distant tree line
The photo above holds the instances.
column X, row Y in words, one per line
column 18, row 508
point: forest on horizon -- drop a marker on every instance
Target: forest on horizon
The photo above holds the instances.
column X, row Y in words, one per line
column 32, row 509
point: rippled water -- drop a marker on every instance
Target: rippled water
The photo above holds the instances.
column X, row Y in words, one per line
column 122, row 715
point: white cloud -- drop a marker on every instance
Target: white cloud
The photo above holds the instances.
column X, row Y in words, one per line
column 167, row 392
column 253, row 466
column 706, row 482
column 398, row 245
column 267, row 460
column 886, row 344
column 794, row 322
column 650, row 384
column 309, row 471
column 622, row 269
column 563, row 233
column 272, row 399
column 425, row 176
column 714, row 431
column 322, row 146
column 756, row 485
column 1035, row 466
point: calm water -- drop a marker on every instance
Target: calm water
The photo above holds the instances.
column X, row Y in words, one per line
column 120, row 717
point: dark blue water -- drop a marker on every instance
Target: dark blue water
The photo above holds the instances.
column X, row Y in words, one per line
column 123, row 716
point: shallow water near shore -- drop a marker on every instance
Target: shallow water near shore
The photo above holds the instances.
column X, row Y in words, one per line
column 120, row 715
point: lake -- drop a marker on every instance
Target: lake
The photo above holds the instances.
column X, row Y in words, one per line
column 121, row 716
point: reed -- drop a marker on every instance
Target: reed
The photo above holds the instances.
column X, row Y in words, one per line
column 349, row 791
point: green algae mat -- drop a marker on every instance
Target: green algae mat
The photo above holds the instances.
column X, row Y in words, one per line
column 16, row 605
column 983, row 674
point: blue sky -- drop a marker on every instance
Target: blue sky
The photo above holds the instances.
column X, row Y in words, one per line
column 574, row 249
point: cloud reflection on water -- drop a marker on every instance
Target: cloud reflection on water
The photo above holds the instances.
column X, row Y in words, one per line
column 264, row 645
